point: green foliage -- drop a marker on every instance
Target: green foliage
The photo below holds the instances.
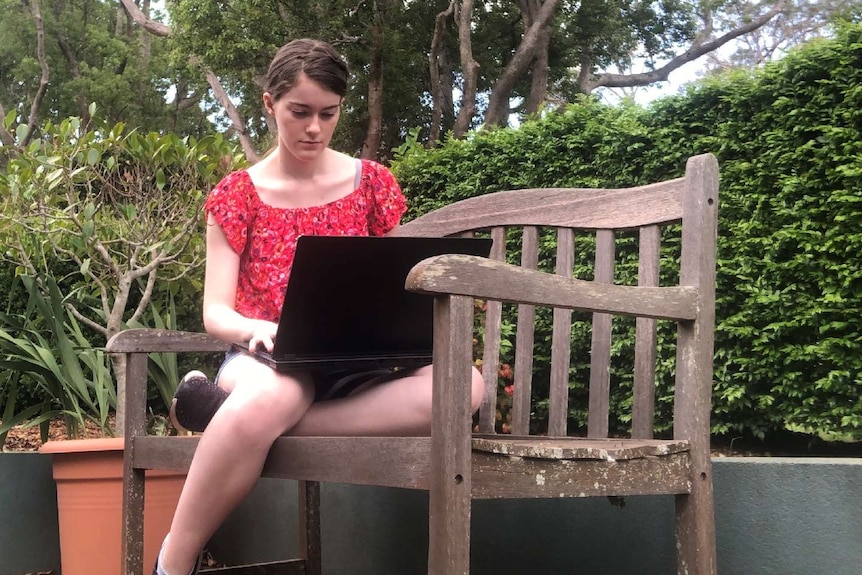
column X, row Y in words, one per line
column 93, row 56
column 46, row 344
column 100, row 213
column 105, row 210
column 789, row 291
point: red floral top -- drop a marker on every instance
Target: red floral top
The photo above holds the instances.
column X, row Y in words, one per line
column 265, row 236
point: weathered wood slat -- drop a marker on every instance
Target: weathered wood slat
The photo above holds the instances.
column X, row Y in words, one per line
column 538, row 447
column 501, row 477
column 643, row 402
column 524, row 347
column 693, row 387
column 491, row 351
column 385, row 461
column 135, row 398
column 556, row 207
column 561, row 341
column 485, row 278
column 600, row 348
column 163, row 340
column 450, row 480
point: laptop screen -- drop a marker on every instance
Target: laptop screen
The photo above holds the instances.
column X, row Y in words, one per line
column 346, row 296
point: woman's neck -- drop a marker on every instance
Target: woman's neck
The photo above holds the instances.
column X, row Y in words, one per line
column 284, row 165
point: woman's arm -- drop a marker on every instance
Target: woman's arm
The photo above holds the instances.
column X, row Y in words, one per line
column 220, row 284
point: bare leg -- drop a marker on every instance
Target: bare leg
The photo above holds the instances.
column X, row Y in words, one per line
column 230, row 455
column 393, row 407
column 263, row 405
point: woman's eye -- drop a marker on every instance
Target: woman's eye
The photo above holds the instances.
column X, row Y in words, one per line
column 327, row 115
column 299, row 113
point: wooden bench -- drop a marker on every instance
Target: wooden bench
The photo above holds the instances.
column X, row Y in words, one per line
column 457, row 465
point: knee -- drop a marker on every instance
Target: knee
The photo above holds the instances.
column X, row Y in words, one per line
column 477, row 390
column 424, row 398
column 262, row 408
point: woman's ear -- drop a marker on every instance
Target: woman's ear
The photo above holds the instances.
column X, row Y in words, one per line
column 267, row 103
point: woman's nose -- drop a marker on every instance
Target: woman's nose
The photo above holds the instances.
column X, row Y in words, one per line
column 313, row 126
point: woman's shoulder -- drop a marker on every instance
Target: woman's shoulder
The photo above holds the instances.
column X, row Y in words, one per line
column 373, row 166
column 235, row 184
column 376, row 174
column 235, row 178
column 235, row 191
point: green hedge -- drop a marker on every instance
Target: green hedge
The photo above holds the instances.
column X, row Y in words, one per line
column 789, row 143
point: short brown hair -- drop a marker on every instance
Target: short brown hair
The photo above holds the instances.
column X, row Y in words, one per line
column 315, row 58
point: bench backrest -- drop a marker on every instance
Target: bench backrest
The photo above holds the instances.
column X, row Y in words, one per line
column 671, row 224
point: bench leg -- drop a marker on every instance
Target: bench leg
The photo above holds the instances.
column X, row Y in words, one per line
column 451, row 449
column 309, row 525
column 695, row 530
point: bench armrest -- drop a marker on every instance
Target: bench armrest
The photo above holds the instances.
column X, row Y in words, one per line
column 484, row 278
column 163, row 340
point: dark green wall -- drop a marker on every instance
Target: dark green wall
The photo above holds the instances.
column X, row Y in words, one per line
column 782, row 516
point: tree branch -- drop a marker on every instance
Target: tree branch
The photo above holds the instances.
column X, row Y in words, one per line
column 589, row 82
column 6, row 138
column 232, row 113
column 159, row 29
column 152, row 26
column 43, row 81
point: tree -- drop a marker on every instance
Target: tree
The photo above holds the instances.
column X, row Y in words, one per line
column 591, row 36
column 57, row 57
column 445, row 66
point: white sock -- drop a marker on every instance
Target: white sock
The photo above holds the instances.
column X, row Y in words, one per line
column 159, row 570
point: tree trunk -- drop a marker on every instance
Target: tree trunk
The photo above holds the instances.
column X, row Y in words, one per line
column 72, row 61
column 535, row 35
column 539, row 82
column 469, row 67
column 371, row 145
column 435, row 61
column 146, row 40
column 33, row 120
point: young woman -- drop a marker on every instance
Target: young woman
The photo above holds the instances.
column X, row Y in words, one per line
column 253, row 219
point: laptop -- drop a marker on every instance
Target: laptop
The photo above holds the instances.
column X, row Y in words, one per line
column 346, row 307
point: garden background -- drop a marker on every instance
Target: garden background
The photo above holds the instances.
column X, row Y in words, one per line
column 789, row 309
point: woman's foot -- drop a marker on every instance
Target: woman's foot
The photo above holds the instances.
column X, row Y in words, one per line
column 195, row 402
column 157, row 570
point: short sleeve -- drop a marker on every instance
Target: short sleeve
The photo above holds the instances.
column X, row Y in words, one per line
column 229, row 204
column 387, row 201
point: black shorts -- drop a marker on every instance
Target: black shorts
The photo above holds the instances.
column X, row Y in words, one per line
column 328, row 384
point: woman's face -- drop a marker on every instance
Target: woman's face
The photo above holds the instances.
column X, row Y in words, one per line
column 306, row 116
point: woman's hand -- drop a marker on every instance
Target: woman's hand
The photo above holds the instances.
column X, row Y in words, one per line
column 263, row 335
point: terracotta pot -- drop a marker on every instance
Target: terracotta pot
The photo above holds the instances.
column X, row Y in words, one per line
column 89, row 478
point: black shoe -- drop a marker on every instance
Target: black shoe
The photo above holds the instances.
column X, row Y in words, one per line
column 195, row 402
